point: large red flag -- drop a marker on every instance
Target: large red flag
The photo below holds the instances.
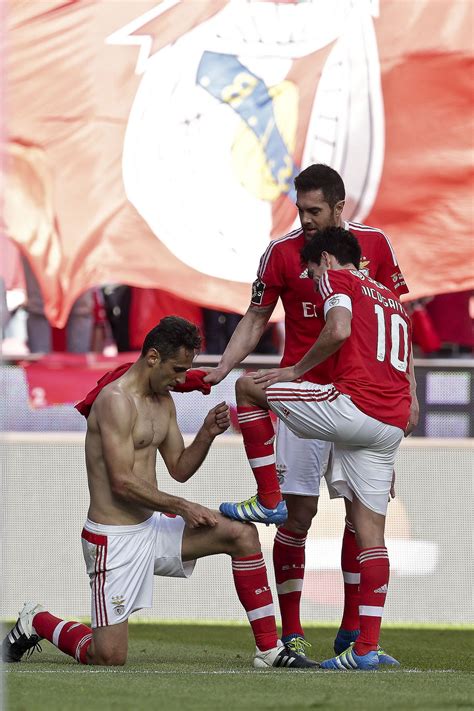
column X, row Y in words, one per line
column 155, row 143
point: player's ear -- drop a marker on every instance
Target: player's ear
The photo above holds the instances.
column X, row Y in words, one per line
column 325, row 260
column 339, row 207
column 153, row 357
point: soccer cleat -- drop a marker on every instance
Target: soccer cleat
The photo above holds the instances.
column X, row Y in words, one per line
column 344, row 639
column 386, row 659
column 351, row 661
column 282, row 657
column 252, row 510
column 296, row 643
column 22, row 637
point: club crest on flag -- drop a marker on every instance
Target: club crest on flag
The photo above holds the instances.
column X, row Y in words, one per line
column 226, row 115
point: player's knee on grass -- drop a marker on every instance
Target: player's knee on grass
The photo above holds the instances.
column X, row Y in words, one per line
column 109, row 647
column 108, row 658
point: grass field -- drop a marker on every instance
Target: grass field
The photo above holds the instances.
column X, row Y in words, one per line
column 208, row 668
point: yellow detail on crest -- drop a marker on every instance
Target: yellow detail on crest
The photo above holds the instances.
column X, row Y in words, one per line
column 248, row 152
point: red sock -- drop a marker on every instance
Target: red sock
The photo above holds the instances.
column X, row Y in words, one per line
column 374, row 576
column 288, row 562
column 258, row 433
column 251, row 583
column 351, row 572
column 72, row 638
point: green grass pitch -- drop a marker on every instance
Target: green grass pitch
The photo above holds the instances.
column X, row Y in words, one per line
column 204, row 667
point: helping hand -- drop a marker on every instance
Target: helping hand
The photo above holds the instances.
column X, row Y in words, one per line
column 274, row 375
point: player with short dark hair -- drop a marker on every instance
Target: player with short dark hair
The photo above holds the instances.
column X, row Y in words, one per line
column 133, row 529
column 364, row 410
column 320, row 196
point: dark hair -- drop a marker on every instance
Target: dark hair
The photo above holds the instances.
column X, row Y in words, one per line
column 321, row 177
column 170, row 335
column 336, row 241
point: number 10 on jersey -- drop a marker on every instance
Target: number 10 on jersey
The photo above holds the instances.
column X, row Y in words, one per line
column 398, row 332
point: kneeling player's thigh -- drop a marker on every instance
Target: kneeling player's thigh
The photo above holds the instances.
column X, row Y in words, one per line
column 299, row 462
column 232, row 537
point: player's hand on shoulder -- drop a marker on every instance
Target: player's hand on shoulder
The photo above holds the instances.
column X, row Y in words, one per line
column 196, row 515
column 265, row 378
column 217, row 420
column 214, row 375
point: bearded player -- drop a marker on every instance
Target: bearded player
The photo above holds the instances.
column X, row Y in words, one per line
column 320, row 196
column 366, row 340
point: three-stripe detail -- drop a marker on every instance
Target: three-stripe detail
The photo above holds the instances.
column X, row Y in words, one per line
column 100, row 568
column 280, row 394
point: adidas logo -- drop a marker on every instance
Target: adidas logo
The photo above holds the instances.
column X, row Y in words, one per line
column 270, row 441
column 383, row 589
column 304, row 274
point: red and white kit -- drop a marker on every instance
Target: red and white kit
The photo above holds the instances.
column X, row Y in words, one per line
column 366, row 408
column 122, row 560
column 281, row 275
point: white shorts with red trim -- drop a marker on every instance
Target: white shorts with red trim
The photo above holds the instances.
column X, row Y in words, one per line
column 122, row 560
column 364, row 451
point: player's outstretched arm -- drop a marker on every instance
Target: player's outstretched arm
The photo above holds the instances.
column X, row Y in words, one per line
column 243, row 341
column 182, row 462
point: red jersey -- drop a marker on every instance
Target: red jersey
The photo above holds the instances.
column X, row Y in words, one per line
column 372, row 364
column 281, row 275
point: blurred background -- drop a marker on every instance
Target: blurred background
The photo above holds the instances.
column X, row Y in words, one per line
column 149, row 152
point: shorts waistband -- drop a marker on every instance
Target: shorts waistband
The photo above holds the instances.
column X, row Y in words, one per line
column 107, row 530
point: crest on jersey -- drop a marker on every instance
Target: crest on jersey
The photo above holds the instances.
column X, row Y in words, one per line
column 232, row 108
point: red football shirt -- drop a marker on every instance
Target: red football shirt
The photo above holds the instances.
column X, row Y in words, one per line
column 372, row 364
column 281, row 275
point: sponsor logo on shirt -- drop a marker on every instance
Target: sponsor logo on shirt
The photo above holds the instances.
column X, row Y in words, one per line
column 258, row 288
column 309, row 309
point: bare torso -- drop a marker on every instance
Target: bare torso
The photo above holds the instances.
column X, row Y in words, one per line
column 150, row 417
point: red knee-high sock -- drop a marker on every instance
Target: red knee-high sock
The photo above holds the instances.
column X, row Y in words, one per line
column 374, row 576
column 258, row 433
column 72, row 638
column 251, row 583
column 288, row 562
column 351, row 573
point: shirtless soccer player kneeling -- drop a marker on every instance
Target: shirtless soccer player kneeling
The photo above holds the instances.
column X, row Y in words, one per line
column 135, row 531
column 364, row 411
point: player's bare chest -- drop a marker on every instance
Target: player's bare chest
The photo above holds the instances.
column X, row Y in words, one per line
column 150, row 429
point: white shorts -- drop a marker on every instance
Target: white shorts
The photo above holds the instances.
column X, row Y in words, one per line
column 122, row 560
column 300, row 463
column 364, row 451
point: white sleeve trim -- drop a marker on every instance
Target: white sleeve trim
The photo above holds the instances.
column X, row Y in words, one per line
column 337, row 300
